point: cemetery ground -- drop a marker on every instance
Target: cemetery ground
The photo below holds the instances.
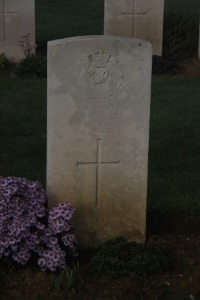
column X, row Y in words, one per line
column 173, row 176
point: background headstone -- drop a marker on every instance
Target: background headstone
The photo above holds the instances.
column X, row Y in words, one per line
column 17, row 18
column 142, row 19
column 98, row 132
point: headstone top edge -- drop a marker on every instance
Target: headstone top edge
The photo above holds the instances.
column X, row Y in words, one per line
column 99, row 37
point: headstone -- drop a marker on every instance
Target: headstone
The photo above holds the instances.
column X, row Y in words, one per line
column 98, row 131
column 17, row 19
column 142, row 19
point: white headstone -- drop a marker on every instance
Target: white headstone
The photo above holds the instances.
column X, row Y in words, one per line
column 17, row 18
column 98, row 132
column 142, row 19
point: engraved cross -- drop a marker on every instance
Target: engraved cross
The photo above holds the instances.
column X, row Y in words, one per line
column 3, row 13
column 98, row 163
column 133, row 11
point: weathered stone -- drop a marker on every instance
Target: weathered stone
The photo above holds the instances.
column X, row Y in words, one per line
column 17, row 18
column 142, row 19
column 98, row 131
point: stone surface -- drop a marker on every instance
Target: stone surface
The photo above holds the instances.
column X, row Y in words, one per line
column 17, row 18
column 142, row 19
column 98, row 132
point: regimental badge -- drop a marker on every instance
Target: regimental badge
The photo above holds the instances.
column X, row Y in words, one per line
column 101, row 75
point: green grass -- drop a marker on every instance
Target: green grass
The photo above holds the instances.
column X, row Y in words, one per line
column 174, row 157
column 23, row 128
column 57, row 19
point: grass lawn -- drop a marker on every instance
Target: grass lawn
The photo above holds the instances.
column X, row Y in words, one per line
column 174, row 157
column 60, row 18
column 23, row 128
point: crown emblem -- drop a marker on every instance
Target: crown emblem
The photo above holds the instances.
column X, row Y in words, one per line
column 99, row 57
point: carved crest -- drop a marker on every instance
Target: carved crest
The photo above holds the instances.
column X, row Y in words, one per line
column 101, row 75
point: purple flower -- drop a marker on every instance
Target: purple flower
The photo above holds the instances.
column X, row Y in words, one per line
column 23, row 231
column 26, row 46
column 60, row 217
column 52, row 258
column 69, row 240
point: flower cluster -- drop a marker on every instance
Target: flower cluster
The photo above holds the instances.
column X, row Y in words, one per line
column 27, row 228
column 26, row 46
column 59, row 217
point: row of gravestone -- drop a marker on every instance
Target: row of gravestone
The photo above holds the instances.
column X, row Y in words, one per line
column 141, row 19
